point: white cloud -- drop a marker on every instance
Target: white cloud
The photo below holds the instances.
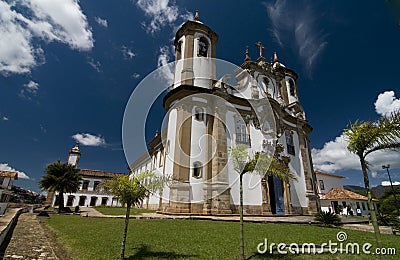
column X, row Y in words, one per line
column 94, row 64
column 387, row 183
column 4, row 118
column 6, row 167
column 387, row 103
column 30, row 89
column 334, row 155
column 127, row 53
column 296, row 26
column 135, row 75
column 89, row 139
column 162, row 13
column 166, row 72
column 50, row 20
column 102, row 22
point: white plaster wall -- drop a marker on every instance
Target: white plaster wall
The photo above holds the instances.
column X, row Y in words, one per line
column 202, row 66
column 298, row 186
column 326, row 205
column 198, row 152
column 179, row 64
column 171, row 136
column 88, row 198
column 329, row 183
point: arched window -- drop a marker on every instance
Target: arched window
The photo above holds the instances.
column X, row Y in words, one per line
column 292, row 88
column 203, row 47
column 197, row 169
column 290, row 143
column 199, row 114
column 241, row 132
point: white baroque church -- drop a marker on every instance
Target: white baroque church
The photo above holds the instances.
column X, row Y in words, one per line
column 207, row 117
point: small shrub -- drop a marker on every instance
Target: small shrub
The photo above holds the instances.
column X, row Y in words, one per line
column 388, row 220
column 328, row 219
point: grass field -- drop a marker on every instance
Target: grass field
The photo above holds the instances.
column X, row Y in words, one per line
column 121, row 210
column 98, row 238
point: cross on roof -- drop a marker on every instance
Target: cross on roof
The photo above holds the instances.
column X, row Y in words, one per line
column 261, row 47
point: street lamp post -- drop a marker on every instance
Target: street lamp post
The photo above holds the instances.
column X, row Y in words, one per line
column 391, row 184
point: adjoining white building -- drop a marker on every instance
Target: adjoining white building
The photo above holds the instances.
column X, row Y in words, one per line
column 206, row 117
column 89, row 193
column 6, row 181
column 327, row 181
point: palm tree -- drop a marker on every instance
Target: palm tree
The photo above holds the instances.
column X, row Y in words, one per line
column 61, row 177
column 365, row 137
column 132, row 190
column 263, row 165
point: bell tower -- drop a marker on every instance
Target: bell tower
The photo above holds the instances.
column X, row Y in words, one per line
column 73, row 155
column 195, row 52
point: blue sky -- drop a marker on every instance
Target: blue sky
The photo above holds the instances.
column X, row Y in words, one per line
column 68, row 68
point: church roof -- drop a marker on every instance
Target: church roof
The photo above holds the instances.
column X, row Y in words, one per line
column 97, row 173
column 343, row 194
column 9, row 174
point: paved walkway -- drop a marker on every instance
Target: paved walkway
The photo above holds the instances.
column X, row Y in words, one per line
column 29, row 241
column 91, row 212
column 349, row 223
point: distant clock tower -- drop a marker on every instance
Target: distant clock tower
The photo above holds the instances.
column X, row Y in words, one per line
column 73, row 156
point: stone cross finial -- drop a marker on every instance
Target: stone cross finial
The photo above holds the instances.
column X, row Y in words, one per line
column 247, row 54
column 276, row 57
column 261, row 47
column 196, row 16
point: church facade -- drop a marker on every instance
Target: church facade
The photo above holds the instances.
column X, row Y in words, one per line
column 208, row 117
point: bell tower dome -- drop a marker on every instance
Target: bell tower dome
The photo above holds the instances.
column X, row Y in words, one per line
column 195, row 52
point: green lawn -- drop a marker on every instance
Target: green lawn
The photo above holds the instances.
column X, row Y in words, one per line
column 121, row 210
column 99, row 238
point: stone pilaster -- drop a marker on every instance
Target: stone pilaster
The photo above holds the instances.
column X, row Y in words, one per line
column 187, row 74
column 266, row 200
column 286, row 198
column 313, row 199
column 180, row 189
column 220, row 203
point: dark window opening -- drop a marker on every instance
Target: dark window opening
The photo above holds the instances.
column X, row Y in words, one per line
column 321, row 184
column 203, row 47
column 199, row 114
column 96, row 185
column 289, row 143
column 85, row 185
column 292, row 88
column 82, row 201
column 197, row 169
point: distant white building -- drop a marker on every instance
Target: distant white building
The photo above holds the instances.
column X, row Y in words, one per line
column 6, row 181
column 332, row 194
column 352, row 203
column 89, row 193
